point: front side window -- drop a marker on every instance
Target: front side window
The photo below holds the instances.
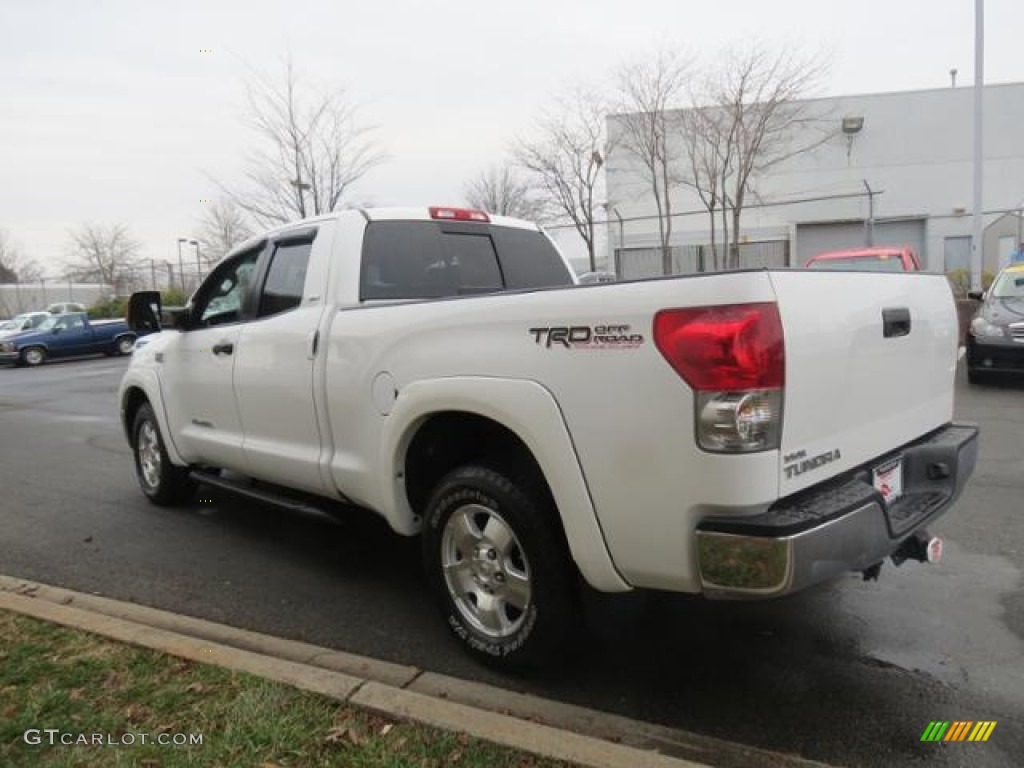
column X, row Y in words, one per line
column 286, row 279
column 220, row 300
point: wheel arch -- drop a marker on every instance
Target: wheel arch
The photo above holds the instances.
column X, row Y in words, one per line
column 446, row 440
column 437, row 425
column 40, row 344
column 140, row 389
column 132, row 400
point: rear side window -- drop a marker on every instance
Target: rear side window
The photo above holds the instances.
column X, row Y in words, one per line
column 425, row 259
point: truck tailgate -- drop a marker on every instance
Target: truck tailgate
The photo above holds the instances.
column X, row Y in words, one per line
column 870, row 362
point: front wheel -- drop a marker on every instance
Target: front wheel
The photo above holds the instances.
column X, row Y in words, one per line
column 163, row 483
column 33, row 356
column 497, row 561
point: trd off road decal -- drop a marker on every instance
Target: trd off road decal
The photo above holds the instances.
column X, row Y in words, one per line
column 587, row 337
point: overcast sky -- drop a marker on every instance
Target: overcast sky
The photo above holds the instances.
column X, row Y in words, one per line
column 110, row 112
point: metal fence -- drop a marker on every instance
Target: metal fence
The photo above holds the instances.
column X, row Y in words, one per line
column 638, row 263
column 36, row 296
column 161, row 276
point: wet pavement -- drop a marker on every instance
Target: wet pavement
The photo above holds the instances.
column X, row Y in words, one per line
column 849, row 673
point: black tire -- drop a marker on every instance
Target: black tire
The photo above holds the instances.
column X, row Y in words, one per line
column 977, row 377
column 124, row 345
column 529, row 626
column 33, row 356
column 163, row 483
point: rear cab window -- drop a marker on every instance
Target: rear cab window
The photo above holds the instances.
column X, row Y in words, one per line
column 431, row 259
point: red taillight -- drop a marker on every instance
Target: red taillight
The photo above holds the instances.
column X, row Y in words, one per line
column 459, row 214
column 725, row 348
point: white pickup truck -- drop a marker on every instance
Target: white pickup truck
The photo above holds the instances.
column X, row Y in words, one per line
column 742, row 434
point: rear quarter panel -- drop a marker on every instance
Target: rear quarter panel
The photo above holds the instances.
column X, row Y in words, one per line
column 629, row 415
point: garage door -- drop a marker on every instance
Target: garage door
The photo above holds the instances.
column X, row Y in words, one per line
column 812, row 239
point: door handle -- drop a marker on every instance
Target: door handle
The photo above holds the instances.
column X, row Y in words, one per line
column 224, row 348
column 314, row 346
column 895, row 322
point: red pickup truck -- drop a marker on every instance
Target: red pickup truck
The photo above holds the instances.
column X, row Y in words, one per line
column 879, row 259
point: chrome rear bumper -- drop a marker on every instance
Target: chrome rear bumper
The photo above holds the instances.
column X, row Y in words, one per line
column 842, row 526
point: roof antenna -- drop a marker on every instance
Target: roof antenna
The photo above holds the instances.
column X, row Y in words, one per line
column 952, row 76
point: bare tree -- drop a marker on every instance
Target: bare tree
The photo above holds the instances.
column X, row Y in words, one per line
column 707, row 148
column 648, row 91
column 103, row 254
column 222, row 227
column 566, row 156
column 502, row 191
column 14, row 267
column 756, row 95
column 314, row 149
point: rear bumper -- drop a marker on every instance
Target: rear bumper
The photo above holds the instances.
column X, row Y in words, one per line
column 844, row 525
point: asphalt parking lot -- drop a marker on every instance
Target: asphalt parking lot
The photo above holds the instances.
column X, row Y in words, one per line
column 850, row 673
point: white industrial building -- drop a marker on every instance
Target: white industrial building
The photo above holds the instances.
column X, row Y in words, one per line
column 905, row 157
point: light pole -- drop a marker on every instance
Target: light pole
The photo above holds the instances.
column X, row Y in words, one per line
column 869, row 230
column 181, row 265
column 622, row 240
column 199, row 264
column 977, row 241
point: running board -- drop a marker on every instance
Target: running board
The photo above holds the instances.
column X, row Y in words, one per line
column 297, row 502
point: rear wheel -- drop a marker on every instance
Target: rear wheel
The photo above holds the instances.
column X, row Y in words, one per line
column 33, row 356
column 163, row 483
column 497, row 561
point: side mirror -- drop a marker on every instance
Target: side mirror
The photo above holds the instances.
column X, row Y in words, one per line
column 176, row 317
column 976, row 295
column 57, row 330
column 144, row 312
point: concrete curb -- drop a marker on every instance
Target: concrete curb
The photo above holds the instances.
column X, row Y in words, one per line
column 548, row 728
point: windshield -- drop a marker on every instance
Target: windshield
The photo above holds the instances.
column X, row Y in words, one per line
column 864, row 263
column 1009, row 285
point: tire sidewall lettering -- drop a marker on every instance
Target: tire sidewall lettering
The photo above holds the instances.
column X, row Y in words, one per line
column 494, row 648
column 447, row 504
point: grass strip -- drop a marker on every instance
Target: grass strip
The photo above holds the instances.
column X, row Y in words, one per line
column 87, row 688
